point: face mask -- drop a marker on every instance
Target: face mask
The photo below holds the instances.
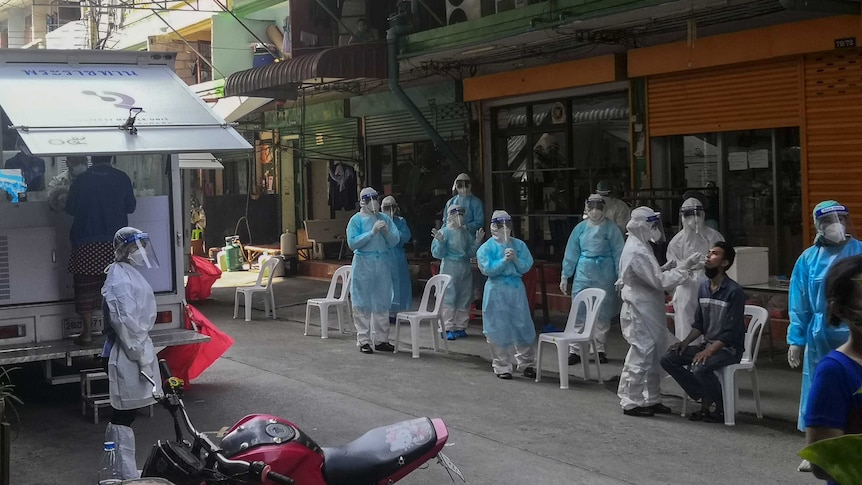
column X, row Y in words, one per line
column 457, row 220
column 711, row 272
column 137, row 258
column 654, row 235
column 389, row 211
column 690, row 222
column 595, row 215
column 500, row 233
column 835, row 233
column 78, row 170
column 373, row 206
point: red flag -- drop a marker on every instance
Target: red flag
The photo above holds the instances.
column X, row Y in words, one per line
column 190, row 361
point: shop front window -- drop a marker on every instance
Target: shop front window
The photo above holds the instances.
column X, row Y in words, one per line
column 751, row 181
column 548, row 158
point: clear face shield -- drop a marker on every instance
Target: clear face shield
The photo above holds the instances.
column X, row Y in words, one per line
column 456, row 217
column 655, row 229
column 595, row 209
column 834, row 224
column 462, row 187
column 138, row 251
column 370, row 202
column 691, row 218
column 501, row 229
column 391, row 210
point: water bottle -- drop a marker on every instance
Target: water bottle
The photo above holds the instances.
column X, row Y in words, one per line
column 108, row 473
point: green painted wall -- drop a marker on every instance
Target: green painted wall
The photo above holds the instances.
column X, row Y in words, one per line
column 513, row 22
column 290, row 118
column 423, row 96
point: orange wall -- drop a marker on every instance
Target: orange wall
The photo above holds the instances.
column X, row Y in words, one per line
column 752, row 45
column 583, row 72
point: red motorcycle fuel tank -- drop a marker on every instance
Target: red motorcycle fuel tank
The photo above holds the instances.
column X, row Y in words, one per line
column 278, row 443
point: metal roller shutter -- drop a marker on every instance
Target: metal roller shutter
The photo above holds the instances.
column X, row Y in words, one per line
column 450, row 120
column 833, row 130
column 333, row 140
column 740, row 98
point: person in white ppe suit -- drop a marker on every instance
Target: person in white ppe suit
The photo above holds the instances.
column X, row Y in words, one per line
column 809, row 336
column 615, row 209
column 454, row 245
column 129, row 306
column 593, row 257
column 695, row 237
column 474, row 210
column 642, row 318
column 402, row 289
column 506, row 318
column 371, row 235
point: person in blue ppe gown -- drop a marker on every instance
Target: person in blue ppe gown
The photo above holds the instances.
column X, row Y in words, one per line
column 506, row 318
column 371, row 235
column 593, row 257
column 402, row 289
column 474, row 210
column 808, row 332
column 454, row 245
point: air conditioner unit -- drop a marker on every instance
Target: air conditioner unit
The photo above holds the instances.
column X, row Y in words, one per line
column 462, row 11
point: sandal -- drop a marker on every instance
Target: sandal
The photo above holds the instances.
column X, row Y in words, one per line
column 698, row 415
column 716, row 417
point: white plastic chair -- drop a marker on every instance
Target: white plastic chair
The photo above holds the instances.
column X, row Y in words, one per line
column 248, row 291
column 438, row 284
column 727, row 375
column 340, row 302
column 592, row 299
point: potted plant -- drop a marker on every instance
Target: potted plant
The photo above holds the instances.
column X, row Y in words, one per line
column 7, row 396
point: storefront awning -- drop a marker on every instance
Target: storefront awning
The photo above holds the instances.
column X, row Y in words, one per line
column 233, row 108
column 194, row 161
column 62, row 109
column 281, row 80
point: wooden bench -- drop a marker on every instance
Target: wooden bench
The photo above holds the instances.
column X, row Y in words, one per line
column 322, row 231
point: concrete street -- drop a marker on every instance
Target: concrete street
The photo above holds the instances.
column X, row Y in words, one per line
column 501, row 431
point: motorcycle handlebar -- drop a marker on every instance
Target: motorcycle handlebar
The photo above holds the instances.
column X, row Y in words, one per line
column 259, row 470
column 279, row 478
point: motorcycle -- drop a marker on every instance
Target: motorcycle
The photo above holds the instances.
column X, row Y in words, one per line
column 266, row 449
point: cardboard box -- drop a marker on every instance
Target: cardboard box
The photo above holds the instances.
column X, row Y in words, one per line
column 751, row 266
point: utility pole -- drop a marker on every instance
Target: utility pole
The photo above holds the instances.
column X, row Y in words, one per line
column 92, row 24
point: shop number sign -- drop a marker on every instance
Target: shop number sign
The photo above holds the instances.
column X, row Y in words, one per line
column 73, row 326
column 846, row 42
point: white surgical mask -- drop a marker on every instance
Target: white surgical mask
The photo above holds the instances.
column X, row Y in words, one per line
column 835, row 232
column 595, row 215
column 654, row 235
column 137, row 258
column 374, row 206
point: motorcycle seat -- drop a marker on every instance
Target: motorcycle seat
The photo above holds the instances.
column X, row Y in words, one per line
column 378, row 453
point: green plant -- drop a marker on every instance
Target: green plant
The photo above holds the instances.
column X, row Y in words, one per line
column 7, row 395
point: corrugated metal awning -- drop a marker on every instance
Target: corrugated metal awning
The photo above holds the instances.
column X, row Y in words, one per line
column 281, row 80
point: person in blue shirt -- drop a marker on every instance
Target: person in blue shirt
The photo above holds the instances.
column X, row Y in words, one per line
column 834, row 406
column 402, row 289
column 474, row 210
column 371, row 235
column 593, row 257
column 100, row 200
column 720, row 319
column 506, row 318
column 808, row 335
column 454, row 245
